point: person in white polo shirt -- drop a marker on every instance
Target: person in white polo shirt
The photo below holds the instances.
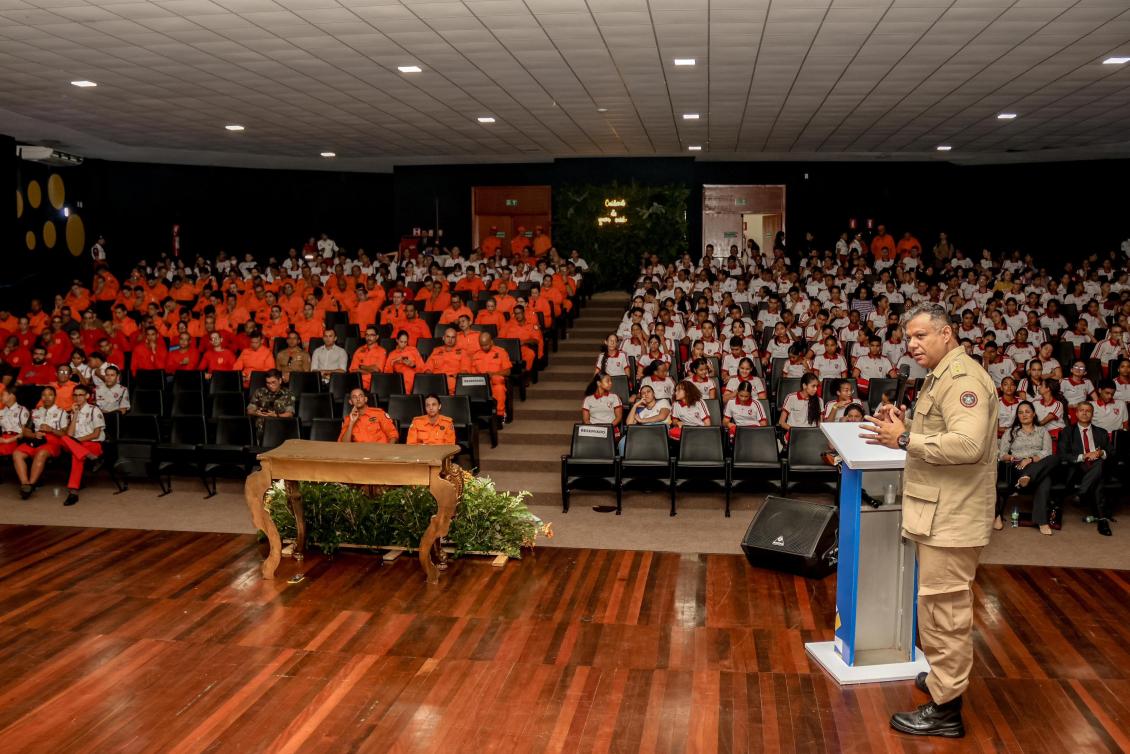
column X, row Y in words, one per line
column 688, row 410
column 83, row 439
column 601, row 405
column 743, row 410
column 612, row 361
column 1110, row 413
column 13, row 419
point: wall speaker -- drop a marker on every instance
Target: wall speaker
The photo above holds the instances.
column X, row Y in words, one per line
column 794, row 536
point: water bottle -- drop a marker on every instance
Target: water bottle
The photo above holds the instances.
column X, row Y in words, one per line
column 889, row 496
column 1015, row 517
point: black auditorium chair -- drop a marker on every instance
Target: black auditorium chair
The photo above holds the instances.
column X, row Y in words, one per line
column 227, row 404
column 225, row 382
column 341, row 384
column 646, row 457
column 325, row 430
column 384, row 385
column 785, row 386
column 402, row 409
column 458, row 409
column 232, row 453
column 132, row 451
column 148, row 379
column 314, row 406
column 146, row 402
column 755, row 455
column 591, row 457
column 805, row 455
column 305, row 382
column 701, row 458
column 518, row 378
column 188, row 381
column 426, row 383
column 278, row 431
column 181, row 455
column 476, row 387
column 256, row 381
column 187, row 404
column 877, row 387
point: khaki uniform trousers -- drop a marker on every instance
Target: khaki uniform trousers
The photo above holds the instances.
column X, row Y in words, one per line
column 945, row 616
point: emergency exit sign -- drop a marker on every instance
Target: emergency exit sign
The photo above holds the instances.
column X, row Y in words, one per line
column 511, row 202
column 730, row 234
column 740, row 201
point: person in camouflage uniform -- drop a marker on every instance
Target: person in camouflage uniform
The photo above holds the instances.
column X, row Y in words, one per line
column 270, row 402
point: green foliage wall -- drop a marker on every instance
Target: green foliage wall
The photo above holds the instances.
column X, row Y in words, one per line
column 656, row 223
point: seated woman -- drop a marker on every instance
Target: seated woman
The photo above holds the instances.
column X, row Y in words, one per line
column 804, row 407
column 601, row 405
column 1009, row 400
column 647, row 409
column 841, row 399
column 1051, row 408
column 404, row 360
column 702, row 379
column 743, row 410
column 689, row 410
column 656, row 377
column 433, row 428
column 745, row 373
column 1028, row 447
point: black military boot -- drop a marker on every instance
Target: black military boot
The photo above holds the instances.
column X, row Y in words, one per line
column 931, row 720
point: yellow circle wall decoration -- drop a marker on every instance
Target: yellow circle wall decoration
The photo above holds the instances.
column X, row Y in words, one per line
column 56, row 191
column 76, row 235
column 34, row 194
column 29, row 239
column 49, row 234
column 19, row 204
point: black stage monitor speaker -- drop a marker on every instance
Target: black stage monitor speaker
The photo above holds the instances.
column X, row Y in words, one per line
column 795, row 536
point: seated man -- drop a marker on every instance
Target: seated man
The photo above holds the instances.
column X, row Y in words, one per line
column 83, row 439
column 366, row 423
column 329, row 357
column 111, row 395
column 42, row 439
column 491, row 360
column 1083, row 450
column 270, row 402
column 293, row 358
column 13, row 419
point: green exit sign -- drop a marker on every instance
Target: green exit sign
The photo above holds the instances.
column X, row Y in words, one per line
column 730, row 234
column 511, row 202
column 739, row 201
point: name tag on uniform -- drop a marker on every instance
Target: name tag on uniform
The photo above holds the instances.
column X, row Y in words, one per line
column 592, row 431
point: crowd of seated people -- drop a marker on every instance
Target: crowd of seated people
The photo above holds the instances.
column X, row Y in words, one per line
column 814, row 335
column 349, row 319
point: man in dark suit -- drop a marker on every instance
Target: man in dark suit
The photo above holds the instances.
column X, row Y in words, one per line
column 1083, row 449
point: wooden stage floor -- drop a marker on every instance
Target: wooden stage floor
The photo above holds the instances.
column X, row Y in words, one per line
column 124, row 641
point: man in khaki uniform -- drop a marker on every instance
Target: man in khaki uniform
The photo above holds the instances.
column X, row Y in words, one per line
column 949, row 489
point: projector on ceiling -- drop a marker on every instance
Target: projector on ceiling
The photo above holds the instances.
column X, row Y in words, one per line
column 47, row 156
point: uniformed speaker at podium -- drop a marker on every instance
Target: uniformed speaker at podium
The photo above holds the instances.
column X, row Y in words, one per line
column 949, row 489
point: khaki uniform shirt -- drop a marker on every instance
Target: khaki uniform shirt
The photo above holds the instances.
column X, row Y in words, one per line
column 949, row 483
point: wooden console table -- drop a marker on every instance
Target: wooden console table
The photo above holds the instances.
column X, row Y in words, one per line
column 356, row 463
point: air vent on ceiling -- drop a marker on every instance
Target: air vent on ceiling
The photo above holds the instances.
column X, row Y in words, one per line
column 47, row 156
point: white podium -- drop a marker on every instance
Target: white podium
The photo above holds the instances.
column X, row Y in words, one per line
column 876, row 575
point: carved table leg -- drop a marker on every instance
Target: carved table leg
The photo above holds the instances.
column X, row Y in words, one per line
column 446, row 496
column 294, row 500
column 256, row 486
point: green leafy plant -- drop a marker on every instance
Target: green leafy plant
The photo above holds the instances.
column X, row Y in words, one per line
column 656, row 223
column 339, row 514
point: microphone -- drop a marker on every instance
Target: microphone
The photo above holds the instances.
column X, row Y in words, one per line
column 904, row 371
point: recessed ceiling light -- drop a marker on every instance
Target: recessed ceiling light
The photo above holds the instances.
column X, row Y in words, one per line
column 328, row 154
column 684, row 61
column 602, row 109
column 1116, row 61
column 943, row 147
column 690, row 116
column 694, row 148
column 409, row 68
column 486, row 119
column 234, row 127
column 1006, row 116
column 83, row 83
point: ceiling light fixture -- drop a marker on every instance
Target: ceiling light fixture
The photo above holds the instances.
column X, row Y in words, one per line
column 83, row 83
column 486, row 119
column 234, row 127
column 602, row 109
column 684, row 61
column 328, row 154
column 1117, row 60
column 694, row 148
column 1006, row 116
column 409, row 68
column 690, row 116
column 943, row 147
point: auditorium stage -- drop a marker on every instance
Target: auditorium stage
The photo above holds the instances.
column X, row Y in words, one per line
column 123, row 640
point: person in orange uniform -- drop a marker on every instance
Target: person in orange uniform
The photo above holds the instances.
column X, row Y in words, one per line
column 527, row 333
column 491, row 243
column 504, row 301
column 184, row 357
column 490, row 315
column 448, row 359
column 217, row 358
column 519, row 244
column 277, row 324
column 369, row 358
column 365, row 311
column 413, row 325
column 433, row 428
column 882, row 245
column 404, row 360
column 393, row 314
column 454, row 310
column 150, row 354
column 256, row 358
column 64, row 387
column 491, row 360
column 470, row 284
column 435, row 298
column 366, row 423
column 542, row 243
column 310, row 324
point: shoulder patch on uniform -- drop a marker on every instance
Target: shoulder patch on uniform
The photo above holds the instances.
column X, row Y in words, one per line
column 969, row 399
